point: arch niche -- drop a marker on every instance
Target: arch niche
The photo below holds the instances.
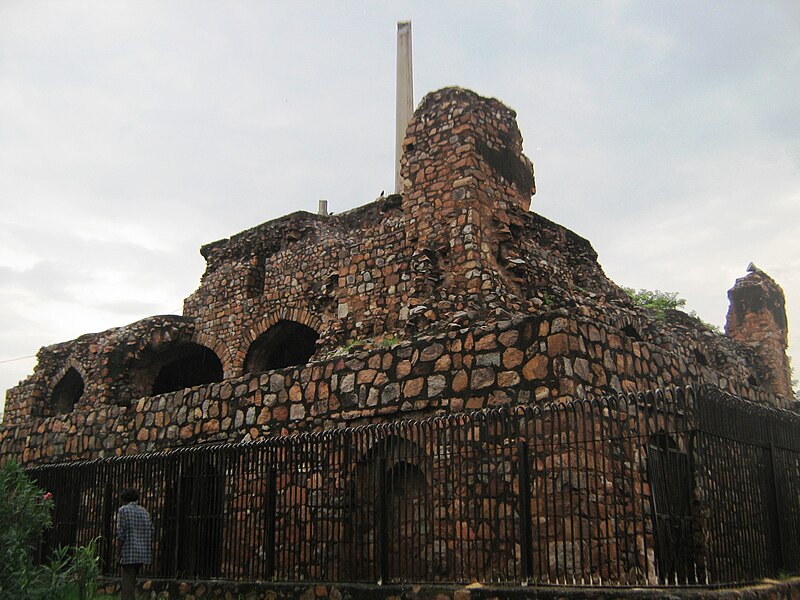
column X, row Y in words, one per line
column 285, row 344
column 187, row 365
column 669, row 472
column 67, row 392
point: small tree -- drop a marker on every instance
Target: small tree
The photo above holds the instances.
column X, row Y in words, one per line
column 660, row 302
column 656, row 300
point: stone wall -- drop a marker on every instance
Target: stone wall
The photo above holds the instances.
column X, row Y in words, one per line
column 550, row 356
column 454, row 259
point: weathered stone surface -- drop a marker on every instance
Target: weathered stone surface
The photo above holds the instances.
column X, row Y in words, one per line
column 436, row 384
column 413, row 387
column 757, row 317
column 508, row 379
column 481, row 378
column 535, row 368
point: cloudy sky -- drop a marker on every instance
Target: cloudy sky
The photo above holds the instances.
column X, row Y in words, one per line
column 668, row 133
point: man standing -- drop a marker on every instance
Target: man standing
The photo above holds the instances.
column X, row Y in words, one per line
column 134, row 541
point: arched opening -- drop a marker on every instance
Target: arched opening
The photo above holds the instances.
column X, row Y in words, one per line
column 700, row 358
column 631, row 332
column 405, row 480
column 285, row 344
column 67, row 392
column 390, row 513
column 193, row 518
column 407, row 515
column 186, row 366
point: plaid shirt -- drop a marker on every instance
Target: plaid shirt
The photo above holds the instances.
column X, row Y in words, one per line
column 135, row 533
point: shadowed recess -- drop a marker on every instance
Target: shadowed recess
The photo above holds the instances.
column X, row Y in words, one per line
column 285, row 344
column 67, row 392
column 189, row 365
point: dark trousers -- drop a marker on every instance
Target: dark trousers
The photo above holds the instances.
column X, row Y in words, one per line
column 128, row 585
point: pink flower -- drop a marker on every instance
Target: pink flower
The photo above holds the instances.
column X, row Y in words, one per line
column 48, row 496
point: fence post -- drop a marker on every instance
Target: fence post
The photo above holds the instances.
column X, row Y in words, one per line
column 773, row 513
column 269, row 517
column 179, row 525
column 383, row 520
column 108, row 515
column 526, row 529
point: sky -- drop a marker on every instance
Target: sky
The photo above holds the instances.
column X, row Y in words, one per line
column 131, row 133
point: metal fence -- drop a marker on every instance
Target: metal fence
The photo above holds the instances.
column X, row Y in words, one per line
column 660, row 488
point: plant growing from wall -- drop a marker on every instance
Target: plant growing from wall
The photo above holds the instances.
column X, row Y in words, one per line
column 660, row 302
column 656, row 300
column 25, row 513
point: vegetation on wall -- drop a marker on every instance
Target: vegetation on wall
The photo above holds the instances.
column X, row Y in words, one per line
column 660, row 302
column 656, row 300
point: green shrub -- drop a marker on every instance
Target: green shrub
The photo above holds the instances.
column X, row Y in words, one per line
column 25, row 513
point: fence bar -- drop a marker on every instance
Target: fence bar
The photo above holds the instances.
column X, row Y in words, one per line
column 269, row 524
column 526, row 536
column 772, row 510
column 107, row 542
column 382, row 517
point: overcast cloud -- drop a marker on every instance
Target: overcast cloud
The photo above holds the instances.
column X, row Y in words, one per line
column 667, row 133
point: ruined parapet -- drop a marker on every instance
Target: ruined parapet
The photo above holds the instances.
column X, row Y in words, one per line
column 463, row 171
column 116, row 367
column 757, row 317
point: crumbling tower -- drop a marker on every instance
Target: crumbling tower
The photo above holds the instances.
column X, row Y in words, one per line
column 757, row 317
column 463, row 172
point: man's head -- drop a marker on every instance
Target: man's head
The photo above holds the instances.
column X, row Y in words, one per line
column 130, row 495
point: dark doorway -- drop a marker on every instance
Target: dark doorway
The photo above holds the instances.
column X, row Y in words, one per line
column 670, row 475
column 192, row 538
column 186, row 366
column 407, row 510
column 389, row 535
column 67, row 392
column 285, row 344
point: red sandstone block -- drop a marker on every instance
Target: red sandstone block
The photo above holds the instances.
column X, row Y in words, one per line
column 475, row 403
column 403, row 369
column 211, row 427
column 487, row 342
column 281, row 413
column 535, row 368
column 558, row 344
column 508, row 379
column 413, row 387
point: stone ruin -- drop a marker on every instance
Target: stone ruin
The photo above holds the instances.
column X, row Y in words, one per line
column 450, row 297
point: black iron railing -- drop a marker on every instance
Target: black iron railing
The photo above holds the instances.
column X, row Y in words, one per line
column 659, row 488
